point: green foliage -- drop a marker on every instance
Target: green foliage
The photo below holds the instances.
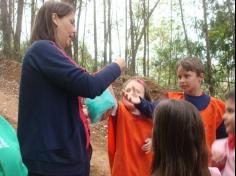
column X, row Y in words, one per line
column 221, row 39
column 167, row 53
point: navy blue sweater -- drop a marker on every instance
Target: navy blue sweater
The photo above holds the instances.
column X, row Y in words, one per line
column 50, row 131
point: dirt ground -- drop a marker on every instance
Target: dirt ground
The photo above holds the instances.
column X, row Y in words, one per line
column 9, row 88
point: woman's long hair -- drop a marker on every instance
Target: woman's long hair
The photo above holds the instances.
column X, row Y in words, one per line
column 43, row 28
column 179, row 144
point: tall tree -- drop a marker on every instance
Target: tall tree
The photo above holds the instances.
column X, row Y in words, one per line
column 83, row 46
column 105, row 32
column 95, row 36
column 17, row 35
column 126, row 33
column 148, row 44
column 32, row 13
column 144, row 39
column 133, row 54
column 76, row 39
column 118, row 33
column 136, row 40
column 11, row 15
column 6, row 28
column 184, row 27
column 109, row 31
column 208, row 57
column 171, row 34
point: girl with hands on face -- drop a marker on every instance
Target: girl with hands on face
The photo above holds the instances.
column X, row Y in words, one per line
column 129, row 133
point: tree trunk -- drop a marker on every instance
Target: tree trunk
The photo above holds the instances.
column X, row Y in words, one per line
column 105, row 32
column 144, row 39
column 208, row 57
column 76, row 39
column 83, row 61
column 18, row 29
column 6, row 28
column 171, row 34
column 126, row 34
column 12, row 16
column 148, row 44
column 118, row 33
column 159, row 74
column 32, row 14
column 135, row 47
column 95, row 38
column 185, row 31
column 109, row 31
column 132, row 39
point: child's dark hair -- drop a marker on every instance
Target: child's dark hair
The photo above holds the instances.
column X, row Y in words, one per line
column 147, row 94
column 191, row 64
column 230, row 95
column 179, row 144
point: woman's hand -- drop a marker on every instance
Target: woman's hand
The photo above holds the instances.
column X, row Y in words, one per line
column 121, row 63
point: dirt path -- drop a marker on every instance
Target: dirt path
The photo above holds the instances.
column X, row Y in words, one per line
column 99, row 162
column 9, row 88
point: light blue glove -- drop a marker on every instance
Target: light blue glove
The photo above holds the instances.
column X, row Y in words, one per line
column 99, row 105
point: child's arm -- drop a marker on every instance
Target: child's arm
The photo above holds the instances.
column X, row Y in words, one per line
column 144, row 106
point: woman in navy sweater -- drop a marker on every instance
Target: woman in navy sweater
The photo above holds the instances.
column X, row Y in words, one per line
column 52, row 131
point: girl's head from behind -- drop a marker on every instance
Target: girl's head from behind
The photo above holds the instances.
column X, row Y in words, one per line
column 136, row 88
column 229, row 116
column 179, row 140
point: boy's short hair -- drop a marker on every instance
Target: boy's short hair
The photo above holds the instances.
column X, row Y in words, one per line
column 191, row 64
column 230, row 95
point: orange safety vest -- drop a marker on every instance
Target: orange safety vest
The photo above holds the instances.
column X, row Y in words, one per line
column 212, row 116
column 126, row 135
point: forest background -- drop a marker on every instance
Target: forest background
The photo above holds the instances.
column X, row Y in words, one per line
column 151, row 35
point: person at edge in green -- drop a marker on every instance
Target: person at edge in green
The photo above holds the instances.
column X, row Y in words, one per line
column 10, row 158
